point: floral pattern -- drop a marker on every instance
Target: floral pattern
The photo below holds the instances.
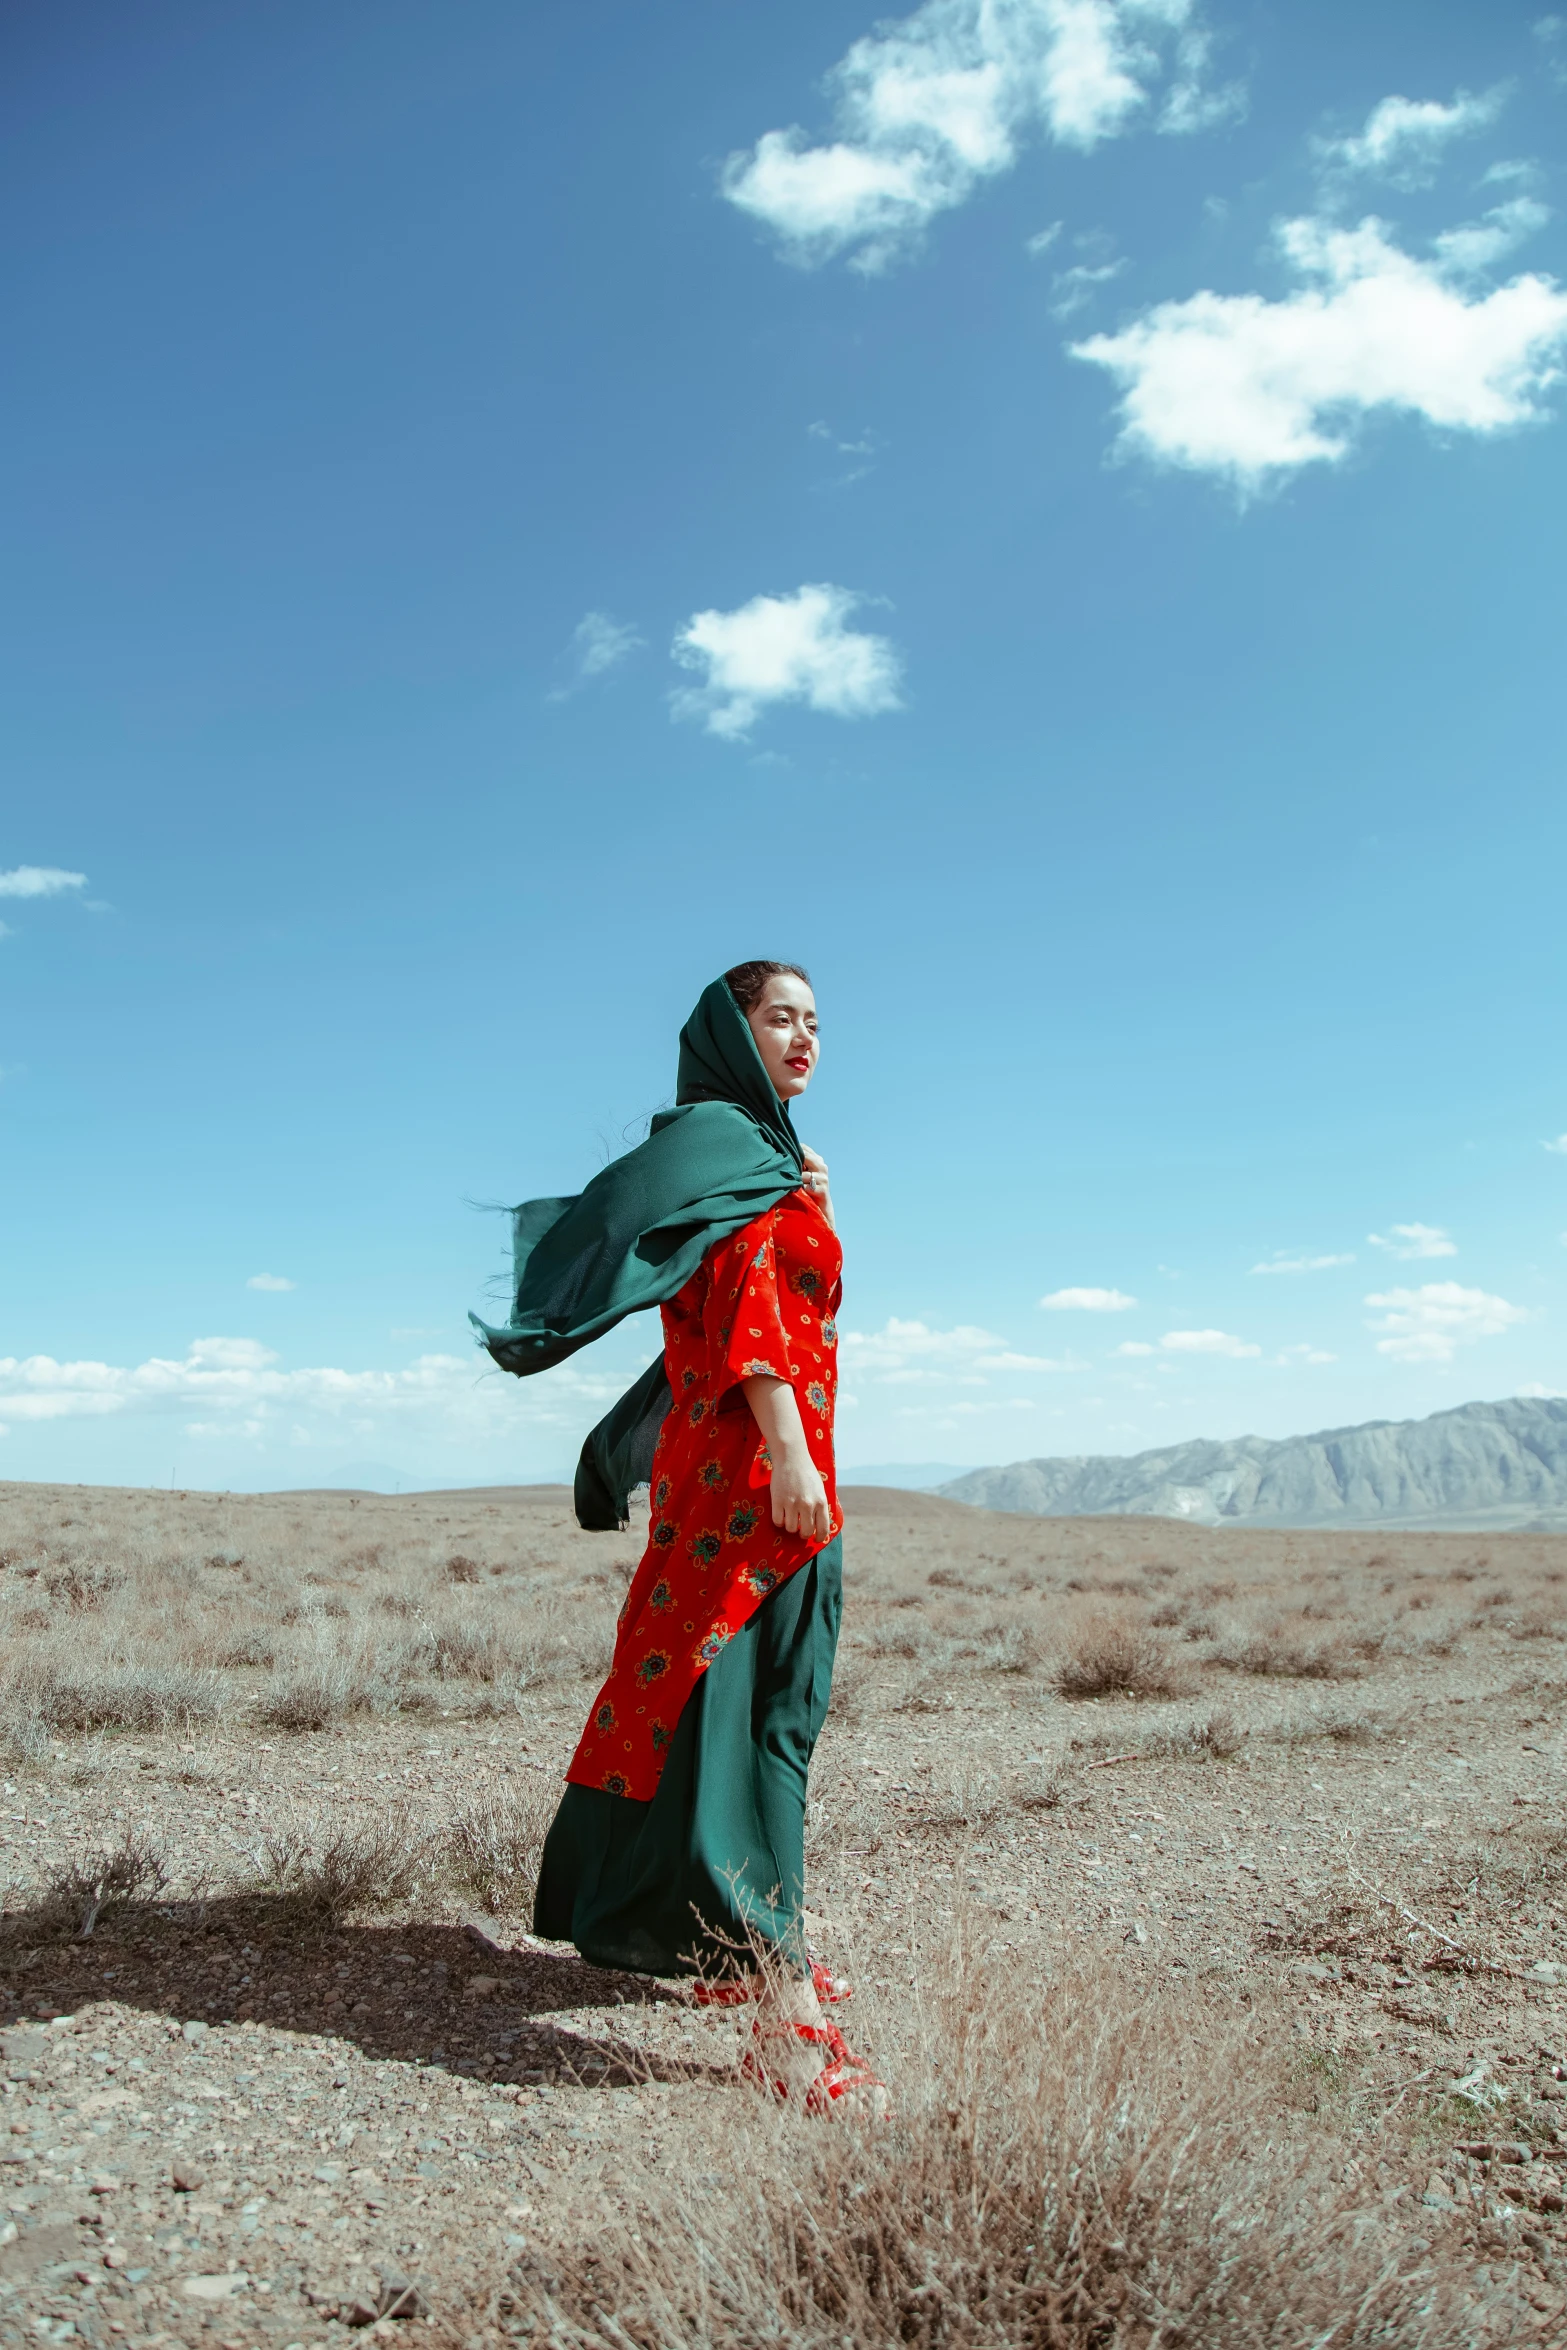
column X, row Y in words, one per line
column 761, row 1301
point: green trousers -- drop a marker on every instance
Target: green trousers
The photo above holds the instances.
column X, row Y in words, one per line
column 716, row 1861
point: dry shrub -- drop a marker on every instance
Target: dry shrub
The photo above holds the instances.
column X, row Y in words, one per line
column 462, row 1570
column 1008, row 1648
column 1526, row 1863
column 1071, row 2163
column 315, row 1694
column 1215, row 1738
column 47, row 1691
column 76, row 1897
column 965, row 1796
column 321, row 1874
column 1352, row 1729
column 1116, row 1656
column 491, row 1849
column 1280, row 1652
column 82, row 1585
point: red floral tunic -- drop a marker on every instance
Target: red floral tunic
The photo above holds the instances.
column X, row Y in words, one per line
column 763, row 1300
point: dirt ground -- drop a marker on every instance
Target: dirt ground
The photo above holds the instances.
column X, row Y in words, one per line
column 1314, row 1782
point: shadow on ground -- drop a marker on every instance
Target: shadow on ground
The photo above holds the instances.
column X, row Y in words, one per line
column 431, row 1994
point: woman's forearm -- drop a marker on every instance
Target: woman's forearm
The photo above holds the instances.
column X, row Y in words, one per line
column 776, row 1411
column 799, row 1496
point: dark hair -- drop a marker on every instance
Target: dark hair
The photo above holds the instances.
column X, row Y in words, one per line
column 747, row 981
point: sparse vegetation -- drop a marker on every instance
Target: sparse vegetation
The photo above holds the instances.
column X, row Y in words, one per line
column 1069, row 2163
column 1178, row 2000
column 1116, row 1656
column 324, row 1873
column 76, row 1897
column 491, row 1849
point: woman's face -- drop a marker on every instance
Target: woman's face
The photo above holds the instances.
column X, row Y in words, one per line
column 784, row 1026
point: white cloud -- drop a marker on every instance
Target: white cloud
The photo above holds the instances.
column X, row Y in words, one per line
column 1088, row 1301
column 1043, row 239
column 1404, row 138
column 1251, row 389
column 1479, row 245
column 1428, row 1324
column 598, row 643
column 1535, row 1390
column 1074, row 288
column 240, row 1380
column 1287, row 1264
column 238, row 1394
column 1305, row 1354
column 1415, row 1240
column 902, row 1350
column 1560, row 1144
column 1206, row 1342
column 1193, row 1342
column 932, row 105
column 39, row 881
column 909, row 1354
column 270, row 1281
column 796, row 648
column 864, row 447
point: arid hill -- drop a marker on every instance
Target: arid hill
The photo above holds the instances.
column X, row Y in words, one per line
column 1483, row 1466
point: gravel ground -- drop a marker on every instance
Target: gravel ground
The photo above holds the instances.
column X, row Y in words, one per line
column 222, row 2123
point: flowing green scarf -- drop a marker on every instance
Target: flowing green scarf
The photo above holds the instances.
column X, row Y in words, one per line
column 722, row 1156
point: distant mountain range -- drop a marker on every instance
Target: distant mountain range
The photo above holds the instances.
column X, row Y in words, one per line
column 1483, row 1466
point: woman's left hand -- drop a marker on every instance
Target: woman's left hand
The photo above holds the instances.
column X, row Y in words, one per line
column 814, row 1180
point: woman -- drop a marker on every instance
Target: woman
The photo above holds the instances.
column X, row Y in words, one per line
column 679, row 1846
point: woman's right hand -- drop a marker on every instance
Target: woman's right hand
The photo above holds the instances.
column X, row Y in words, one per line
column 799, row 1496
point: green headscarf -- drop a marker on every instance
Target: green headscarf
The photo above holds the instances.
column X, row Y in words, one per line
column 726, row 1153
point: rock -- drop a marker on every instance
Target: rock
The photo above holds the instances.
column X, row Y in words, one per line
column 185, row 2177
column 195, row 2031
column 1546, row 1970
column 480, row 1986
column 356, row 2311
column 217, row 2288
column 401, row 2296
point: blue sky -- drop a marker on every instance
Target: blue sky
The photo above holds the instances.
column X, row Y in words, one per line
column 1049, row 512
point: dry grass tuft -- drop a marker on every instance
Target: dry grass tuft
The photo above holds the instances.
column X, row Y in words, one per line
column 1281, row 1652
column 1069, row 2165
column 492, row 1847
column 49, row 1692
column 76, row 1897
column 1214, row 1739
column 1116, row 1656
column 321, row 1875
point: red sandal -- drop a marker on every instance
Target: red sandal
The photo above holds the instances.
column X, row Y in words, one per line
column 843, row 2074
column 738, row 1990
